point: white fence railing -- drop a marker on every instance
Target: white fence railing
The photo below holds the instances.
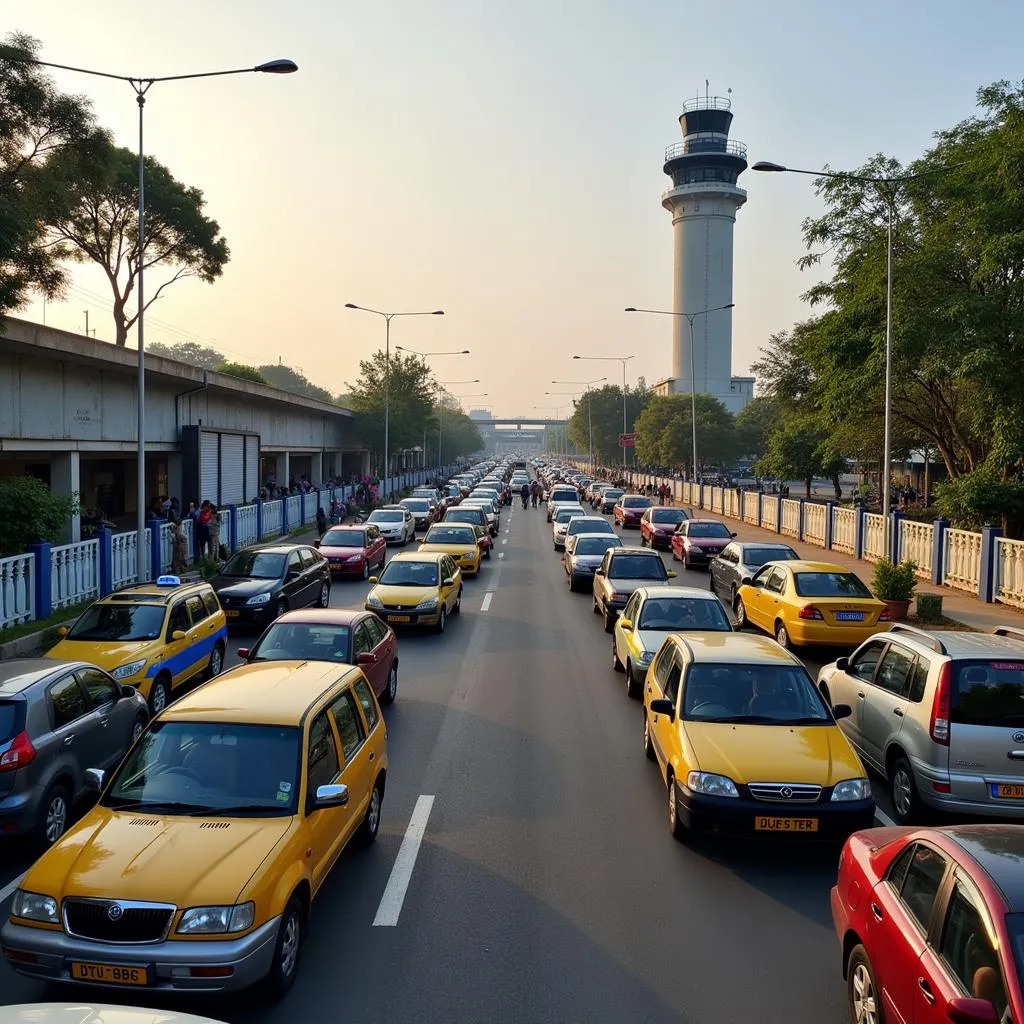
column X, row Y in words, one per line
column 245, row 523
column 74, row 573
column 916, row 541
column 751, row 501
column 272, row 517
column 791, row 517
column 874, row 537
column 1009, row 588
column 844, row 530
column 961, row 563
column 770, row 514
column 294, row 510
column 814, row 523
column 124, row 560
column 17, row 589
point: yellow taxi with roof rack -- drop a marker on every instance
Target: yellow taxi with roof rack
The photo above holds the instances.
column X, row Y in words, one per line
column 154, row 637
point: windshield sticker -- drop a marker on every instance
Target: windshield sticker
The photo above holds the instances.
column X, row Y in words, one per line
column 283, row 797
column 285, row 787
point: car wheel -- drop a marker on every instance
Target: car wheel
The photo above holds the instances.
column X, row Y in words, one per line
column 53, row 816
column 138, row 726
column 366, row 575
column 861, row 990
column 740, row 611
column 903, row 790
column 391, row 686
column 782, row 635
column 458, row 603
column 282, row 607
column 648, row 748
column 609, row 621
column 643, row 541
column 675, row 826
column 287, row 950
column 158, row 695
column 632, row 686
column 216, row 663
column 371, row 823
column 617, row 665
column 442, row 617
column 597, row 607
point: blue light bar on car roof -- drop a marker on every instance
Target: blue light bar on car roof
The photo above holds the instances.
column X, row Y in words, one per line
column 168, row 581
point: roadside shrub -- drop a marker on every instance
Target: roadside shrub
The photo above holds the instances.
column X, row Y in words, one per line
column 30, row 511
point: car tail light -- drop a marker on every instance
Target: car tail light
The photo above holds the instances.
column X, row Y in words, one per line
column 810, row 612
column 885, row 616
column 18, row 754
column 939, row 726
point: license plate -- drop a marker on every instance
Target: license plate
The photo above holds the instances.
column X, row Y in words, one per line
column 335, row 563
column 230, row 613
column 1008, row 791
column 108, row 974
column 849, row 616
column 763, row 823
column 398, row 618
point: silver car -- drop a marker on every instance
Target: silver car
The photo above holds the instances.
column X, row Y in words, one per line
column 584, row 553
column 622, row 571
column 940, row 715
column 562, row 494
column 560, row 522
column 738, row 564
column 395, row 523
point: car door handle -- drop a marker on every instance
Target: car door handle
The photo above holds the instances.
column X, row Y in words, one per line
column 1015, row 755
column 877, row 911
column 69, row 739
column 371, row 756
column 104, row 722
column 926, row 990
column 860, row 695
column 211, row 626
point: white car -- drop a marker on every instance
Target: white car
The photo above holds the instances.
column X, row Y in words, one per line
column 560, row 523
column 395, row 523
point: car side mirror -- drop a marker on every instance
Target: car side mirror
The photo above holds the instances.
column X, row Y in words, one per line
column 316, row 543
column 663, row 706
column 626, row 625
column 243, row 653
column 293, row 574
column 599, row 572
column 94, row 779
column 373, row 579
column 841, row 711
column 448, row 581
column 178, row 634
column 671, row 574
column 330, row 796
column 62, row 631
column 366, row 658
column 971, row 1011
column 733, row 535
column 127, row 690
column 842, row 664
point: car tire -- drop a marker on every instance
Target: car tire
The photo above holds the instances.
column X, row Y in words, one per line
column 282, row 607
column 390, row 690
column 366, row 575
column 648, row 746
column 676, row 828
column 782, row 637
column 54, row 812
column 597, row 607
column 617, row 665
column 216, row 663
column 159, row 694
column 906, row 803
column 861, row 989
column 138, row 727
column 740, row 611
column 643, row 541
column 609, row 622
column 458, row 603
column 371, row 822
column 441, row 619
column 632, row 686
column 287, row 950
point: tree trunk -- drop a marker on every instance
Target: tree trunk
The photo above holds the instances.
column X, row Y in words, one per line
column 120, row 329
column 808, row 482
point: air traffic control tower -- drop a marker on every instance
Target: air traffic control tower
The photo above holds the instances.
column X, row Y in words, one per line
column 703, row 201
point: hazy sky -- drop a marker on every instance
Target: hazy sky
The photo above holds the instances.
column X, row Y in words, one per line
column 500, row 159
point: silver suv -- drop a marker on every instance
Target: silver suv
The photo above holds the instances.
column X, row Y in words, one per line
column 57, row 719
column 940, row 715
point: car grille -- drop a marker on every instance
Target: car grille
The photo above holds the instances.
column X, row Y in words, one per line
column 785, row 792
column 128, row 922
column 398, row 607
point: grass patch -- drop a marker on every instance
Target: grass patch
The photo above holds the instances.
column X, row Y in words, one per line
column 47, row 626
column 945, row 624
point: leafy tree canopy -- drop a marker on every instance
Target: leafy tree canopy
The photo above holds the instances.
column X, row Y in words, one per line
column 190, row 352
column 30, row 511
column 602, row 409
column 664, row 432
column 289, row 379
column 243, row 371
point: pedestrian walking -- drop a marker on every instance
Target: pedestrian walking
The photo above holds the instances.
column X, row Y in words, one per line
column 179, row 548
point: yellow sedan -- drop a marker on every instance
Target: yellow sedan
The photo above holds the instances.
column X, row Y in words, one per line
column 460, row 542
column 420, row 589
column 804, row 602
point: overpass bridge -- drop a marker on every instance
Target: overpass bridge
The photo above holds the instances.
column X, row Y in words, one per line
column 525, row 432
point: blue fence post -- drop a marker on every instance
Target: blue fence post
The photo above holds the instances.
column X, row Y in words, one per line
column 259, row 520
column 894, row 543
column 760, row 508
column 43, row 583
column 800, row 519
column 858, row 532
column 987, row 576
column 233, row 519
column 156, row 553
column 284, row 513
column 778, row 512
column 938, row 550
column 105, row 538
column 830, row 512
column 302, row 507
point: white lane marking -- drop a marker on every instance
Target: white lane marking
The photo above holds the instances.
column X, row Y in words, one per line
column 883, row 817
column 8, row 889
column 487, row 601
column 501, row 554
column 504, row 542
column 401, row 874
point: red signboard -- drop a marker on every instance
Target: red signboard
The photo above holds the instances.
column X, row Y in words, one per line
column 627, row 440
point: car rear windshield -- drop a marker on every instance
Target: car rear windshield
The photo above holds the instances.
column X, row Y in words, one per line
column 988, row 693
column 637, row 503
column 417, row 504
column 119, row 622
column 596, row 545
column 565, row 494
column 464, row 515
column 701, row 613
column 303, row 641
column 829, row 584
column 756, row 694
column 386, row 517
column 8, row 720
column 343, row 539
column 707, row 530
column 410, row 574
column 450, row 535
column 758, row 556
column 611, row 493
column 637, row 567
column 565, row 514
column 668, row 515
column 585, row 524
column 255, row 565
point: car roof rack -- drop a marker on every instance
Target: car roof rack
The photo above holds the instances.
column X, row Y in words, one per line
column 1016, row 632
column 920, row 634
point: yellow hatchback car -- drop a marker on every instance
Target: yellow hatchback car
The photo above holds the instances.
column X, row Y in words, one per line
column 747, row 745
column 197, row 869
column 154, row 637
column 417, row 589
column 803, row 602
column 458, row 541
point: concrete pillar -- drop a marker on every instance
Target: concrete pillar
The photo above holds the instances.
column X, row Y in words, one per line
column 65, row 478
column 175, row 478
column 284, row 472
column 938, row 550
column 316, row 472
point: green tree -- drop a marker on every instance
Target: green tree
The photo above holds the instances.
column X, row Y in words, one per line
column 799, row 450
column 459, row 435
column 602, row 407
column 30, row 511
column 38, row 125
column 289, row 379
column 101, row 227
column 190, row 352
column 755, row 423
column 243, row 371
column 664, row 432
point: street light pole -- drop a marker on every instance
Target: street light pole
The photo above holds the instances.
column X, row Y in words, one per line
column 141, row 86
column 623, row 360
column 387, row 370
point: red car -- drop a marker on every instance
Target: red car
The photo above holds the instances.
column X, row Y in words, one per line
column 630, row 508
column 658, row 524
column 931, row 924
column 698, row 541
column 353, row 550
column 333, row 634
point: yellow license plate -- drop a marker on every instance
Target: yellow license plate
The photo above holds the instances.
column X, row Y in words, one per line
column 108, row 974
column 398, row 618
column 1009, row 791
column 763, row 823
column 230, row 614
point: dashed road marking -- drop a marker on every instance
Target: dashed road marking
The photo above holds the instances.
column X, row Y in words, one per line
column 401, row 874
column 883, row 817
column 9, row 888
column 487, row 600
column 501, row 554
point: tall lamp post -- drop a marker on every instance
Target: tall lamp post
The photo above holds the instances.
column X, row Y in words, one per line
column 616, row 359
column 141, row 86
column 388, row 317
column 690, row 317
column 586, row 385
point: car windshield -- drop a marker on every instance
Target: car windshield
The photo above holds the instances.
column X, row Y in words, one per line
column 464, row 515
column 255, row 565
column 119, row 621
column 343, row 539
column 611, row 493
column 210, row 768
column 385, row 517
column 586, row 524
column 758, row 556
column 303, row 641
column 829, row 584
column 410, row 574
column 760, row 694
column 637, row 567
column 596, row 545
column 988, row 693
column 417, row 504
column 563, row 515
column 684, row 613
column 450, row 535
column 637, row 503
column 668, row 515
column 708, row 530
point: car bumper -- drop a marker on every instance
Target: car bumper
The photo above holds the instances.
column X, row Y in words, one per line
column 410, row 618
column 39, row 953
column 394, row 538
column 969, row 794
column 810, row 632
column 840, row 919
column 629, row 520
column 257, row 615
column 737, row 818
column 662, row 541
column 347, row 568
column 19, row 812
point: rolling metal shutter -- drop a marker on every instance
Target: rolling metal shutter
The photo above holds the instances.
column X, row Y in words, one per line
column 232, row 453
column 252, row 467
column 209, row 467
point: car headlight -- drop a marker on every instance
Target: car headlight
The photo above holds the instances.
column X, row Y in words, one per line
column 427, row 604
column 372, row 601
column 647, row 657
column 33, row 906
column 354, row 558
column 852, row 789
column 127, row 671
column 711, row 785
column 259, row 599
column 217, row 920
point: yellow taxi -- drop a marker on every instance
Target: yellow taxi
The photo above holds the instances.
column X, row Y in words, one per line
column 197, row 869
column 458, row 541
column 154, row 637
column 746, row 744
column 804, row 602
column 417, row 589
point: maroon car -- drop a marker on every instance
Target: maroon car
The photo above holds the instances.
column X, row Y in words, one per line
column 333, row 634
column 697, row 541
column 630, row 508
column 353, row 550
column 658, row 524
